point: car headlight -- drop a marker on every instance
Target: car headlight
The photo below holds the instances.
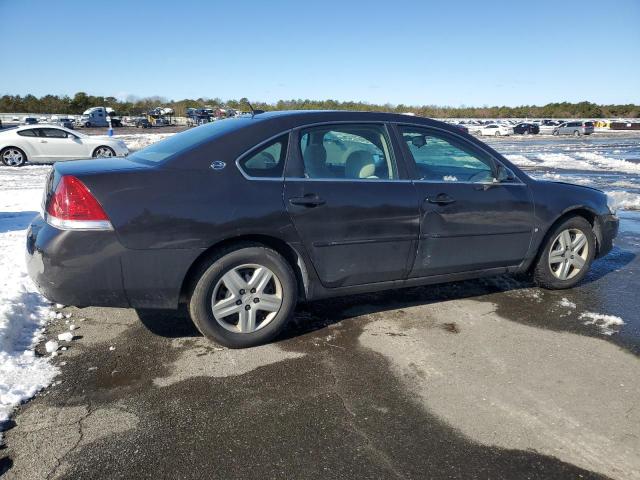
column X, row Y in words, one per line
column 612, row 204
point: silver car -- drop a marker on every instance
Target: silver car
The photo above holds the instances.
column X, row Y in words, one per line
column 574, row 128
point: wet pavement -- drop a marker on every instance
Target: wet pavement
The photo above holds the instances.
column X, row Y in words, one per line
column 481, row 379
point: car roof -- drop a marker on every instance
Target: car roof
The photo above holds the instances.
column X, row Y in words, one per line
column 335, row 114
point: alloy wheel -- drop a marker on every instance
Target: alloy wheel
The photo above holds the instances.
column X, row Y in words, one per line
column 246, row 298
column 103, row 152
column 568, row 254
column 12, row 157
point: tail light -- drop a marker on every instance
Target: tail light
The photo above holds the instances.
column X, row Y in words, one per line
column 73, row 207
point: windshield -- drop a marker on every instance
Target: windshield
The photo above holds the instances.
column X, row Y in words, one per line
column 158, row 152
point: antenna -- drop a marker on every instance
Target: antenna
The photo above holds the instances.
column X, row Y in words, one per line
column 254, row 112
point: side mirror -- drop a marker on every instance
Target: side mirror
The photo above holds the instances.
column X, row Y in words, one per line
column 505, row 175
column 419, row 141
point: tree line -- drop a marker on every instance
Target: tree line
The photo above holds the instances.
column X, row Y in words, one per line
column 134, row 106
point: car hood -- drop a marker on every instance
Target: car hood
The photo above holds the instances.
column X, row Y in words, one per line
column 571, row 184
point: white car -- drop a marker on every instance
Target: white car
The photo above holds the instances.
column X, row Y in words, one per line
column 494, row 129
column 52, row 143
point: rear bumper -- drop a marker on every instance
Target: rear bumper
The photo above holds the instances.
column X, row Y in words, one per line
column 606, row 230
column 92, row 268
column 74, row 267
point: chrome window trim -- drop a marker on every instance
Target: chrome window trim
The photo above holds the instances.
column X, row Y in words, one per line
column 256, row 147
column 352, row 180
column 493, row 184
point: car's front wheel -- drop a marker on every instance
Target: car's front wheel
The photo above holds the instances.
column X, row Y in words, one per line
column 104, row 152
column 243, row 297
column 13, row 157
column 576, row 133
column 567, row 255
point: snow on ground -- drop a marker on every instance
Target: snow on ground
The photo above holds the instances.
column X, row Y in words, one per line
column 138, row 141
column 586, row 161
column 606, row 323
column 625, row 200
column 23, row 311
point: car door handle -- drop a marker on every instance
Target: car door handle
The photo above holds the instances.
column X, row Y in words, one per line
column 441, row 199
column 309, row 200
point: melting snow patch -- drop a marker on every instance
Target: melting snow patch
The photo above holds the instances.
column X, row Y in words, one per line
column 565, row 302
column 625, row 200
column 23, row 311
column 65, row 337
column 606, row 323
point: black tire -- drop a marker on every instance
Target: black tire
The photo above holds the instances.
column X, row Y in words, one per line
column 576, row 133
column 95, row 152
column 526, row 132
column 87, row 125
column 556, row 133
column 542, row 273
column 210, row 274
column 6, row 163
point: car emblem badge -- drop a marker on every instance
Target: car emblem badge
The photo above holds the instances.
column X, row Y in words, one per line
column 218, row 165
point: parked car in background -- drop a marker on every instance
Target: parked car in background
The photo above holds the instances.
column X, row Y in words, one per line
column 493, row 129
column 66, row 123
column 574, row 128
column 320, row 204
column 461, row 127
column 548, row 126
column 29, row 120
column 52, row 143
column 526, row 129
column 143, row 123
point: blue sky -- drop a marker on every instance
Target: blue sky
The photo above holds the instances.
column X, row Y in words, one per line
column 449, row 52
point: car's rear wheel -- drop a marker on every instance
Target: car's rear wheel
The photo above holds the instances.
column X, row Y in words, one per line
column 13, row 157
column 104, row 152
column 497, row 134
column 556, row 133
column 243, row 297
column 526, row 132
column 576, row 133
column 567, row 255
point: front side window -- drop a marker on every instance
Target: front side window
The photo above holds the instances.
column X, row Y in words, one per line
column 349, row 151
column 268, row 160
column 440, row 157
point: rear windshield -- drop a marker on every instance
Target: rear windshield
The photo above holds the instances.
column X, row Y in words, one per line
column 180, row 142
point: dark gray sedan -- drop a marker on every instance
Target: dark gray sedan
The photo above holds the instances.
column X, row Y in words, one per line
column 242, row 218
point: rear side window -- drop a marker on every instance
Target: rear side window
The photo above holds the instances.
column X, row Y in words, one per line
column 348, row 151
column 267, row 161
column 27, row 133
column 181, row 142
column 53, row 133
